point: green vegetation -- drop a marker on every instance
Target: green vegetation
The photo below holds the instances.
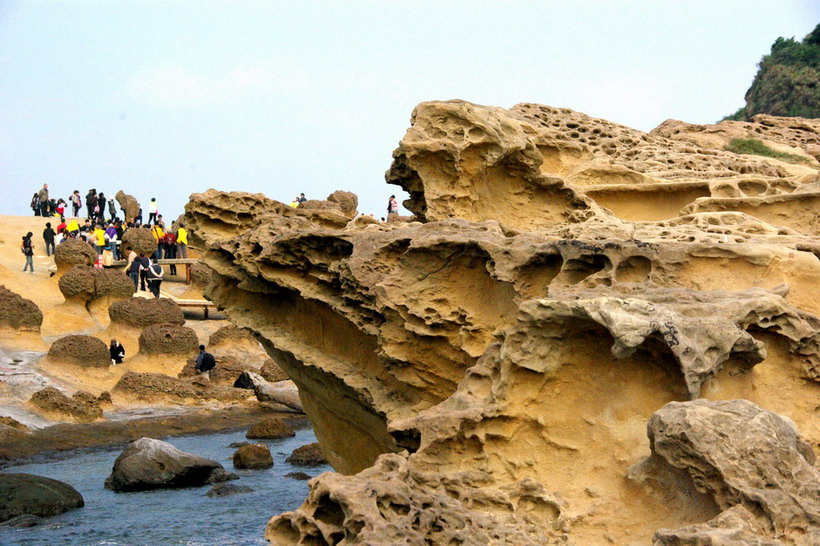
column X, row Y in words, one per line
column 787, row 82
column 755, row 147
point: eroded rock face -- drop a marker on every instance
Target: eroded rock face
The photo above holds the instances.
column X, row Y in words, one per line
column 82, row 407
column 128, row 204
column 168, row 339
column 73, row 252
column 200, row 274
column 83, row 284
column 19, row 313
column 140, row 240
column 489, row 370
column 347, row 200
column 153, row 464
column 745, row 457
column 142, row 312
column 86, row 351
column 156, row 387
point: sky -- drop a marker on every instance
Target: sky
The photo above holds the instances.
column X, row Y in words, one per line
column 164, row 99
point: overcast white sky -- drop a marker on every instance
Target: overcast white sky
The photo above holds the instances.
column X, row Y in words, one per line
column 163, row 99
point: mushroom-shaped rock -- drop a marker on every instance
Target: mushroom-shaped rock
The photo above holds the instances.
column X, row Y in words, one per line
column 19, row 313
column 86, row 351
column 253, row 456
column 73, row 252
column 168, row 339
column 142, row 312
column 270, row 429
column 347, row 200
column 29, row 494
column 84, row 283
column 152, row 464
column 140, row 240
column 128, row 204
column 53, row 403
column 307, row 455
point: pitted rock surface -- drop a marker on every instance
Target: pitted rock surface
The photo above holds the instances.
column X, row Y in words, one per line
column 18, row 312
column 73, row 252
column 168, row 339
column 142, row 312
column 84, row 284
column 156, row 387
column 139, row 239
column 252, row 456
column 53, row 403
column 86, row 351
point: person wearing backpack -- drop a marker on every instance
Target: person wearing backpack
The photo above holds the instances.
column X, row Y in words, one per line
column 205, row 362
column 154, row 275
column 28, row 251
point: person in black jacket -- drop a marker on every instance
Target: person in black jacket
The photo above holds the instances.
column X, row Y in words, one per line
column 101, row 208
column 48, row 237
column 117, row 352
column 91, row 202
column 28, row 250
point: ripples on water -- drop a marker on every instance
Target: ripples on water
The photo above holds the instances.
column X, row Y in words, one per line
column 169, row 516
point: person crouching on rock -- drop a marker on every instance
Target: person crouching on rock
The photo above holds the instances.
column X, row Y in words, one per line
column 205, row 361
column 154, row 275
column 117, row 352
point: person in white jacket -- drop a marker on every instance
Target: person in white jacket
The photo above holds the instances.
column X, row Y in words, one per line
column 153, row 210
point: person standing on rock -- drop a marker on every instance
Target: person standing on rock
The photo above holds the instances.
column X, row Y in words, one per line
column 76, row 202
column 91, row 202
column 302, row 198
column 392, row 209
column 117, row 352
column 154, row 276
column 48, row 238
column 153, row 210
column 28, row 251
column 205, row 361
column 132, row 268
column 43, row 200
column 101, row 208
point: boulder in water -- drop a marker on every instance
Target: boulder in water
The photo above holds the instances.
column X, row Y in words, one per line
column 29, row 494
column 307, row 455
column 298, row 475
column 153, row 464
column 226, row 489
column 253, row 456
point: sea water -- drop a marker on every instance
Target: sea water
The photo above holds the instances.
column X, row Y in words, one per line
column 168, row 516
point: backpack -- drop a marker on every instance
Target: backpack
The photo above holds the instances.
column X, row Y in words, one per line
column 208, row 362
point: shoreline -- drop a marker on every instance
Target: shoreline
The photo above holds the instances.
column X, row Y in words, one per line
column 63, row 440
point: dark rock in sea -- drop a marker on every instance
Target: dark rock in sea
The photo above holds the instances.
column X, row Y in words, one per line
column 35, row 495
column 298, row 475
column 307, row 455
column 253, row 456
column 225, row 489
column 236, row 445
column 26, row 520
column 152, row 464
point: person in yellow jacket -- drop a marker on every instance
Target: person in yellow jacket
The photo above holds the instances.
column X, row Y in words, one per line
column 73, row 226
column 99, row 238
column 158, row 233
column 182, row 241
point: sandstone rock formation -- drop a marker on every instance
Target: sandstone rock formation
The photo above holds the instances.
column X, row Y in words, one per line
column 152, row 464
column 200, row 274
column 168, row 339
column 270, row 429
column 348, row 202
column 142, row 312
column 36, row 495
column 83, row 284
column 153, row 388
column 281, row 392
column 489, row 369
column 79, row 350
column 307, row 455
column 139, row 239
column 252, row 456
column 128, row 205
column 19, row 313
column 272, row 372
column 73, row 252
column 82, row 407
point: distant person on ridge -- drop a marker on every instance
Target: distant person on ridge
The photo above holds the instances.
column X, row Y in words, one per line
column 295, row 203
column 76, row 202
column 35, row 204
column 101, row 207
column 42, row 195
column 28, row 251
column 392, row 209
column 48, row 238
column 153, row 210
column 91, row 202
column 205, row 362
column 117, row 352
column 302, row 198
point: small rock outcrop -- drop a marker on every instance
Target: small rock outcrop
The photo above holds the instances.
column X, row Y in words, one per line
column 85, row 351
column 308, row 455
column 35, row 495
column 19, row 313
column 156, row 387
column 129, row 205
column 272, row 372
column 83, row 284
column 252, row 456
column 270, row 429
column 168, row 339
column 282, row 392
column 139, row 239
column 83, row 407
column 753, row 463
column 153, row 464
column 227, row 489
column 347, row 200
column 73, row 252
column 142, row 312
